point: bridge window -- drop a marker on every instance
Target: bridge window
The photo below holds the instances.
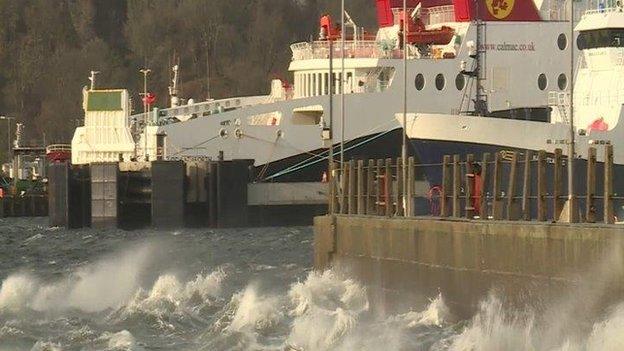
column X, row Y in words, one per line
column 601, row 38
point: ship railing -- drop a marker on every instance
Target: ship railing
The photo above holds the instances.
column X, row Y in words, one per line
column 353, row 49
column 603, row 10
column 439, row 14
column 58, row 148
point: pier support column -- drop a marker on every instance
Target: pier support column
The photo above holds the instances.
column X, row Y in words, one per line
column 104, row 196
column 168, row 199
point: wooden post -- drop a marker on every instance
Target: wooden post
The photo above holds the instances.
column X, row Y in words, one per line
column 483, row 211
column 469, row 181
column 411, row 182
column 497, row 201
column 609, row 216
column 558, row 186
column 526, row 187
column 388, row 188
column 332, row 189
column 446, row 185
column 360, row 188
column 512, row 208
column 370, row 188
column 590, row 205
column 352, row 188
column 344, row 178
column 541, row 186
column 456, row 187
column 380, row 188
column 399, row 195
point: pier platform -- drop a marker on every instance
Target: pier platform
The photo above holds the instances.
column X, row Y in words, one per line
column 504, row 225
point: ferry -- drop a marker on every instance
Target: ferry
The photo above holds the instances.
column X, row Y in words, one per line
column 454, row 48
column 587, row 113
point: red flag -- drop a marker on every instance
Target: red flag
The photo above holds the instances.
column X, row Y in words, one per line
column 149, row 99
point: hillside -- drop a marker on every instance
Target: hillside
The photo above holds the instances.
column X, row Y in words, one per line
column 48, row 48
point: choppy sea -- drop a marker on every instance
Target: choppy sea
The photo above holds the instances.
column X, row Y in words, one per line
column 233, row 289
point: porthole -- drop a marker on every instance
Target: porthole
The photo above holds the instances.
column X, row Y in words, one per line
column 223, row 133
column 562, row 81
column 542, row 82
column 419, row 82
column 440, row 82
column 460, row 82
column 580, row 42
column 562, row 41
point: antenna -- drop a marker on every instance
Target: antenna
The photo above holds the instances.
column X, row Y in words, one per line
column 173, row 88
column 92, row 79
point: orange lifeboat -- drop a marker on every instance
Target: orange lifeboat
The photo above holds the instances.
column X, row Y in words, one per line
column 418, row 34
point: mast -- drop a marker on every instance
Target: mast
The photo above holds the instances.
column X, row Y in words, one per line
column 404, row 146
column 480, row 103
column 342, row 83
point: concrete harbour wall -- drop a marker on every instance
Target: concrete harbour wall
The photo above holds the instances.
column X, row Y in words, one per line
column 408, row 260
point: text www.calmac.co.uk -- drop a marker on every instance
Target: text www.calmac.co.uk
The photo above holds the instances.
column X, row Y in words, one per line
column 508, row 47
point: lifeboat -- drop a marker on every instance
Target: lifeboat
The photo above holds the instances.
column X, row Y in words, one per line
column 441, row 36
column 419, row 35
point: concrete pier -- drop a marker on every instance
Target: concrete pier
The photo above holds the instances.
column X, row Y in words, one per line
column 408, row 260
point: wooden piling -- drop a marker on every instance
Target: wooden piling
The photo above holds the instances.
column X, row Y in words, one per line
column 541, row 186
column 483, row 211
column 344, row 177
column 526, row 187
column 379, row 195
column 497, row 201
column 512, row 208
column 370, row 188
column 590, row 205
column 411, row 182
column 399, row 194
column 469, row 208
column 361, row 210
column 352, row 188
column 331, row 191
column 388, row 188
column 456, row 187
column 446, row 185
column 609, row 216
column 558, row 201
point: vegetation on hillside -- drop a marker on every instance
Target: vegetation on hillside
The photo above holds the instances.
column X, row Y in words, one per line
column 225, row 48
